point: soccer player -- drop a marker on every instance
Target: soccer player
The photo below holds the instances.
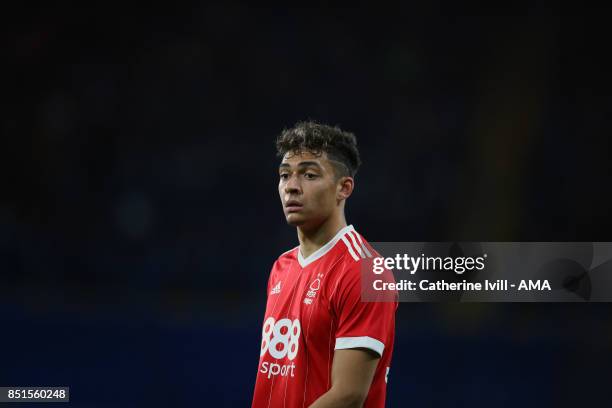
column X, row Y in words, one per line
column 321, row 345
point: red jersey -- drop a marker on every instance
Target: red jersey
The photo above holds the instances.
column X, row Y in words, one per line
column 314, row 307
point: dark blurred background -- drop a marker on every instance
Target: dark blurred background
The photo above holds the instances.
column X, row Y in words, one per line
column 139, row 214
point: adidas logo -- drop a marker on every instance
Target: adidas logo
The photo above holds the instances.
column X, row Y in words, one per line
column 276, row 289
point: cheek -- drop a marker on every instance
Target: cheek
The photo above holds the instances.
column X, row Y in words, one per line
column 324, row 196
column 281, row 187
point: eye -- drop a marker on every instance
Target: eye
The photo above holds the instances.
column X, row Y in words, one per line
column 310, row 176
column 284, row 176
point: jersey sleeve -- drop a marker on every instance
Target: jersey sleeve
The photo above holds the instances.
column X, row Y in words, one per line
column 360, row 324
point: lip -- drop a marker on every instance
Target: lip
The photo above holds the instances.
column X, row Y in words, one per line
column 293, row 206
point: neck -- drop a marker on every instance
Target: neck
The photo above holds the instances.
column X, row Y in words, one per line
column 313, row 239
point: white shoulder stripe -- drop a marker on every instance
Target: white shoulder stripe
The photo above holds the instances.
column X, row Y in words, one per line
column 363, row 245
column 362, row 249
column 350, row 248
column 361, row 254
column 360, row 342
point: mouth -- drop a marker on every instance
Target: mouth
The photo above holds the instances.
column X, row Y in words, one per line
column 293, row 206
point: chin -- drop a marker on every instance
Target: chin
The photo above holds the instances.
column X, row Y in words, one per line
column 295, row 221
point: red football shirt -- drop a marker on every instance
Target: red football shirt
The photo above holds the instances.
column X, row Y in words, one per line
column 314, row 307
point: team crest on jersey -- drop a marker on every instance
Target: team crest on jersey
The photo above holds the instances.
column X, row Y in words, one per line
column 314, row 287
column 276, row 289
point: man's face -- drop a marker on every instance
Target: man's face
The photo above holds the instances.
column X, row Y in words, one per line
column 307, row 188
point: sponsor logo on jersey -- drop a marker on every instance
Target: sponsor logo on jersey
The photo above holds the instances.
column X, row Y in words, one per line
column 280, row 339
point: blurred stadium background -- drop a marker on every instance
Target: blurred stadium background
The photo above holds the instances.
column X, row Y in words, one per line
column 139, row 215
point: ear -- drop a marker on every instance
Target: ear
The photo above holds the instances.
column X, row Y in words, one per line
column 344, row 188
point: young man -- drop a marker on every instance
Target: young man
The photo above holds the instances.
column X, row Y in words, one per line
column 321, row 346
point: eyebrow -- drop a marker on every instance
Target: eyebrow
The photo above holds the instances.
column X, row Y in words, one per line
column 302, row 164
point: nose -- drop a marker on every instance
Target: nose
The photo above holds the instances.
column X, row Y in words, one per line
column 292, row 186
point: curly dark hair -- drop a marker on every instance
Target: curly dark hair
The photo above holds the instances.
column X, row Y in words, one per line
column 317, row 138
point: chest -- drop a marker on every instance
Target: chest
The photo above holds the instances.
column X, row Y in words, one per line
column 303, row 298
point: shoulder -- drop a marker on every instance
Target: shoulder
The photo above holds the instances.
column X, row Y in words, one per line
column 286, row 258
column 281, row 266
column 289, row 255
column 356, row 251
column 355, row 255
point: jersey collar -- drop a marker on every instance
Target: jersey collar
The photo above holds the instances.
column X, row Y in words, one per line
column 324, row 249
